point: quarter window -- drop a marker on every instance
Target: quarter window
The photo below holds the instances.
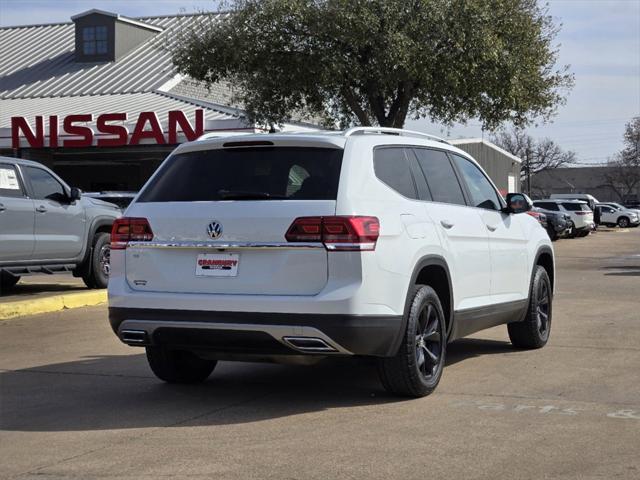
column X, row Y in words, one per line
column 441, row 178
column 9, row 183
column 483, row 195
column 44, row 186
column 392, row 167
column 94, row 40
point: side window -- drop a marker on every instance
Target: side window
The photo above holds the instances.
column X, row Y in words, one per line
column 440, row 176
column 483, row 195
column 391, row 166
column 45, row 187
column 9, row 183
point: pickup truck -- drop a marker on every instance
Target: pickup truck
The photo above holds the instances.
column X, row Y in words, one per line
column 48, row 227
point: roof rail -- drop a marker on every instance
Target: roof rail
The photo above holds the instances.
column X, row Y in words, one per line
column 391, row 131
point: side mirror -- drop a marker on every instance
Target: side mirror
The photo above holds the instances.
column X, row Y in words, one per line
column 75, row 194
column 518, row 203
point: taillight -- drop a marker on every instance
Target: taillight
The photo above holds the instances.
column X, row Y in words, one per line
column 129, row 229
column 338, row 233
column 581, row 213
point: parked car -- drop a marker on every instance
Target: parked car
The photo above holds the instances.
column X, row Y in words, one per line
column 559, row 224
column 370, row 242
column 633, row 205
column 121, row 199
column 581, row 214
column 623, row 218
column 617, row 206
column 49, row 227
column 585, row 197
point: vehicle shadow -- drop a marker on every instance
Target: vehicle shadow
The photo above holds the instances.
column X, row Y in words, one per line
column 119, row 392
column 467, row 348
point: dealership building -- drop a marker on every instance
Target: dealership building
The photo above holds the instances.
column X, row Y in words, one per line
column 98, row 100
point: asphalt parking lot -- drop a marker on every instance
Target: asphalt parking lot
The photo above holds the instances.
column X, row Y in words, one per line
column 75, row 403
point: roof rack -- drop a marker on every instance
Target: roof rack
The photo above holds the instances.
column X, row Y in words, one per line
column 391, row 131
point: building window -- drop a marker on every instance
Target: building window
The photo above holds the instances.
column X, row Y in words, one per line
column 94, row 40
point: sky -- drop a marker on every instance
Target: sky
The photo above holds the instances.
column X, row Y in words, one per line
column 599, row 39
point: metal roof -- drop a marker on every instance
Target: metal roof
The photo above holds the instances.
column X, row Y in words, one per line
column 38, row 61
column 463, row 141
column 131, row 103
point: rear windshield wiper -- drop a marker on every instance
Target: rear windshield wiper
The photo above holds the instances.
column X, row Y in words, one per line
column 245, row 195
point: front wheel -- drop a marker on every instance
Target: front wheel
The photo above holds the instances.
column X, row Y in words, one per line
column 534, row 331
column 623, row 222
column 416, row 369
column 178, row 366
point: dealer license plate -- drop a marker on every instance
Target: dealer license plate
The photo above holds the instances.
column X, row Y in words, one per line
column 217, row 265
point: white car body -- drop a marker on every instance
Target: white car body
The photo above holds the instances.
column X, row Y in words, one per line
column 289, row 289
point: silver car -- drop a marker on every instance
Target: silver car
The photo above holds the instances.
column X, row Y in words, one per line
column 48, row 227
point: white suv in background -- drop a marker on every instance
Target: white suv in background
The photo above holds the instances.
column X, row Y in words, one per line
column 579, row 211
column 293, row 247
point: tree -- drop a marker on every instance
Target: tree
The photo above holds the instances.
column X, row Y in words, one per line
column 376, row 62
column 623, row 175
column 536, row 155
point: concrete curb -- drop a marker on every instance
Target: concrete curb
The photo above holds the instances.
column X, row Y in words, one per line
column 51, row 304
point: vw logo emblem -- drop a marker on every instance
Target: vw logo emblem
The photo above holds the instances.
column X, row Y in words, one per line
column 214, row 230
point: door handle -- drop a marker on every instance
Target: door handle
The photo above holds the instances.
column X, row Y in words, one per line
column 446, row 224
column 41, row 209
column 491, row 229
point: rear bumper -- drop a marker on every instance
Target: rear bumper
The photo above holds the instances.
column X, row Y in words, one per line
column 254, row 333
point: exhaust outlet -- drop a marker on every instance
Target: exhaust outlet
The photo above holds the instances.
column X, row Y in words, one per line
column 134, row 337
column 309, row 344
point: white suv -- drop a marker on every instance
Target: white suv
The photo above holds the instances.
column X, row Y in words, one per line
column 579, row 211
column 371, row 242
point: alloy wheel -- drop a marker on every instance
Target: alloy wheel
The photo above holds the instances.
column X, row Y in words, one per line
column 429, row 342
column 104, row 259
column 542, row 309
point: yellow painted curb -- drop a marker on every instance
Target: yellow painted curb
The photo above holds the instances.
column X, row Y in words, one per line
column 52, row 304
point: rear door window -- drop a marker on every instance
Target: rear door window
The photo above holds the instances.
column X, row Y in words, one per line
column 392, row 167
column 258, row 173
column 9, row 182
column 440, row 176
column 548, row 206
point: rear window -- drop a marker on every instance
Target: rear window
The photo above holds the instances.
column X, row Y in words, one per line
column 264, row 173
column 576, row 207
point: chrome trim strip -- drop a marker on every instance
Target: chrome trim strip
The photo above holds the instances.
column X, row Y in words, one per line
column 228, row 245
column 279, row 332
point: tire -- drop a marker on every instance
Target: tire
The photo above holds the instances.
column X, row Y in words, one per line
column 623, row 222
column 534, row 331
column 178, row 366
column 553, row 235
column 416, row 369
column 7, row 281
column 97, row 275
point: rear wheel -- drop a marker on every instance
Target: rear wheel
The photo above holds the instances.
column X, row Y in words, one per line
column 416, row 369
column 534, row 331
column 97, row 275
column 178, row 366
column 7, row 281
column 623, row 222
